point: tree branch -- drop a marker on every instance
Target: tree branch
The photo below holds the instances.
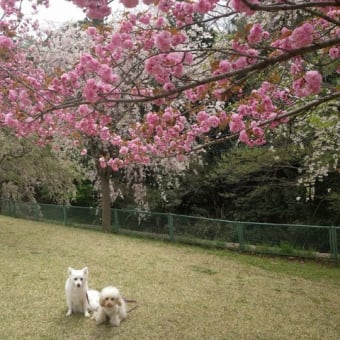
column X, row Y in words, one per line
column 312, row 104
column 242, row 72
column 290, row 6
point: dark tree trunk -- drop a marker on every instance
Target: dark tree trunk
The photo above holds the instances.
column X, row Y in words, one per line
column 104, row 176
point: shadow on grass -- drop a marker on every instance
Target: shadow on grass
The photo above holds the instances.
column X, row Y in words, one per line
column 77, row 327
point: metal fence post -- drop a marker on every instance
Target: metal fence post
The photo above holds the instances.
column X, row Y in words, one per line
column 36, row 211
column 333, row 243
column 171, row 227
column 13, row 209
column 240, row 235
column 65, row 214
column 115, row 227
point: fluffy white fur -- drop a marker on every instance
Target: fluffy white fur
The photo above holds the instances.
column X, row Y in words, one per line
column 93, row 299
column 79, row 298
column 112, row 307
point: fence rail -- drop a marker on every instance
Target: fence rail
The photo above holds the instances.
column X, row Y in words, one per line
column 279, row 239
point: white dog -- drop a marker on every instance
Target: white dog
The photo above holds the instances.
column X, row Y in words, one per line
column 79, row 298
column 112, row 307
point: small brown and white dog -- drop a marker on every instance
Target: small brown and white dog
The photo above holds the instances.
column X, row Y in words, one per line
column 112, row 307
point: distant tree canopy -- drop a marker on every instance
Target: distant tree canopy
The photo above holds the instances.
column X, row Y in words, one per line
column 32, row 173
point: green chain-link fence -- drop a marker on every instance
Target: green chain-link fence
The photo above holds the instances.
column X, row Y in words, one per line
column 282, row 239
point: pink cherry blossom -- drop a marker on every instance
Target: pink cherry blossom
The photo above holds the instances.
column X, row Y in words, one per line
column 90, row 90
column 10, row 121
column 296, row 66
column 92, row 31
column 202, row 116
column 12, row 95
column 123, row 150
column 163, row 41
column 152, row 118
column 255, row 34
column 116, row 40
column 244, row 138
column 203, row 6
column 240, row 6
column 6, row 42
column 178, row 38
column 165, row 5
column 169, row 86
column 8, row 6
column 236, row 123
column 308, row 85
column 313, row 82
column 95, row 9
column 129, row 3
column 302, row 36
column 334, row 52
column 224, row 66
column 213, row 121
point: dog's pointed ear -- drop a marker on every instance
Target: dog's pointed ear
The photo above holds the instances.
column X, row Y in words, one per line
column 69, row 270
column 85, row 271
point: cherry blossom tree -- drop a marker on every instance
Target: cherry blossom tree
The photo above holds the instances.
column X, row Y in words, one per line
column 52, row 51
column 183, row 97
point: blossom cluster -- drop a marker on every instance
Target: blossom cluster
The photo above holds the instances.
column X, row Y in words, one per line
column 95, row 9
column 153, row 61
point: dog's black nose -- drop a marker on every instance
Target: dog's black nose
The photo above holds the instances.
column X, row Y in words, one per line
column 78, row 285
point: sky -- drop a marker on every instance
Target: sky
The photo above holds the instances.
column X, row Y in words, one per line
column 59, row 11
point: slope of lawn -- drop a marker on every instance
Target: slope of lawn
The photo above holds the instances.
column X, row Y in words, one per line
column 183, row 292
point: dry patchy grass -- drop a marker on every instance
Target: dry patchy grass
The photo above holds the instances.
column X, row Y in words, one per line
column 183, row 292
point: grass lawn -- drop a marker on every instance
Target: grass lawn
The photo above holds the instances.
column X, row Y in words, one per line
column 183, row 292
